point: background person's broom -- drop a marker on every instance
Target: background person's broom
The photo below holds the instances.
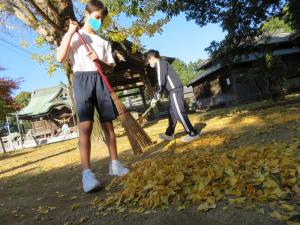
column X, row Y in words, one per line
column 140, row 120
column 138, row 138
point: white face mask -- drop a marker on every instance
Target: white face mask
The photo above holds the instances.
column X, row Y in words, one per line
column 152, row 62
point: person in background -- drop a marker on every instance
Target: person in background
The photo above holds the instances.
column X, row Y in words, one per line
column 169, row 80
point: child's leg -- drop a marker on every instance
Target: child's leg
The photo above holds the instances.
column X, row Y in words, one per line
column 85, row 129
column 116, row 168
column 172, row 122
column 177, row 102
column 110, row 138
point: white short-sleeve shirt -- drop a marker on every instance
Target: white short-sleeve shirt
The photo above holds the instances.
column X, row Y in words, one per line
column 78, row 53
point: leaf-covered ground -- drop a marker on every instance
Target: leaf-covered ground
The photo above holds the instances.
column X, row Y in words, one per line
column 245, row 169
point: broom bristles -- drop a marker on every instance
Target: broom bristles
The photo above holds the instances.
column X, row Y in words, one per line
column 138, row 138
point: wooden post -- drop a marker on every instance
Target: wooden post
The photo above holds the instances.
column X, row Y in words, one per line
column 52, row 131
column 45, row 129
column 34, row 132
column 150, row 90
column 143, row 96
column 8, row 127
column 74, row 121
column 20, row 131
column 2, row 144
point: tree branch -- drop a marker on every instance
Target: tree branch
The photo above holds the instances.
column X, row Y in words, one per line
column 53, row 10
column 45, row 16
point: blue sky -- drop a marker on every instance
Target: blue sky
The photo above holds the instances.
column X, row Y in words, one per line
column 180, row 38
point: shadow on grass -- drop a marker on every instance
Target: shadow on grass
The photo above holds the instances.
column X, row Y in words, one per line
column 13, row 154
column 35, row 161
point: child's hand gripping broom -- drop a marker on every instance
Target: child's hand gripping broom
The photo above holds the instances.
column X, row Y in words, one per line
column 138, row 138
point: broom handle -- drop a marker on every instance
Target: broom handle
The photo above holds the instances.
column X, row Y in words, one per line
column 96, row 63
column 146, row 112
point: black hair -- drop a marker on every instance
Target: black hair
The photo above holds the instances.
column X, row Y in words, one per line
column 95, row 5
column 152, row 53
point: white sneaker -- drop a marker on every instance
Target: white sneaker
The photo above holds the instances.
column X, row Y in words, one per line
column 116, row 168
column 188, row 138
column 165, row 137
column 89, row 181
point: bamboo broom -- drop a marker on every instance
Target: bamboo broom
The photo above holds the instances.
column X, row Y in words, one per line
column 138, row 138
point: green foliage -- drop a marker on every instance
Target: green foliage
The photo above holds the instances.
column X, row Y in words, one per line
column 140, row 14
column 49, row 59
column 276, row 24
column 294, row 14
column 186, row 72
column 268, row 76
column 23, row 98
column 40, row 41
column 280, row 23
column 241, row 20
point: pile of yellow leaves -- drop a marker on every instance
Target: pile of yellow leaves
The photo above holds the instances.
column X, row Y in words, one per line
column 204, row 177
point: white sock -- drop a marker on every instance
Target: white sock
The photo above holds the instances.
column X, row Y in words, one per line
column 114, row 162
column 86, row 171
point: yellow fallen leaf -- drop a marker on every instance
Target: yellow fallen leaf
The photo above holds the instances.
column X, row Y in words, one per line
column 42, row 210
column 287, row 207
column 75, row 206
column 203, row 207
column 293, row 223
column 73, row 197
column 83, row 220
column 276, row 215
column 181, row 207
column 179, row 177
column 237, row 200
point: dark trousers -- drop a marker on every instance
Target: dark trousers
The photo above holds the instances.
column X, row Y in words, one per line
column 177, row 113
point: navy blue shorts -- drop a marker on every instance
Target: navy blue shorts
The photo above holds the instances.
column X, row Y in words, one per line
column 89, row 92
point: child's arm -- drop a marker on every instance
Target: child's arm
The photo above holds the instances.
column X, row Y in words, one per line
column 63, row 49
column 107, row 67
column 162, row 72
column 109, row 62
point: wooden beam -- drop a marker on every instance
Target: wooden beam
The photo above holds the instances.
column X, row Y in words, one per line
column 128, row 95
column 126, row 82
column 128, row 86
column 142, row 89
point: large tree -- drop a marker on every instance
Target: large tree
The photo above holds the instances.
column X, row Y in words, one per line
column 23, row 98
column 50, row 21
column 7, row 100
column 186, row 72
column 241, row 20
